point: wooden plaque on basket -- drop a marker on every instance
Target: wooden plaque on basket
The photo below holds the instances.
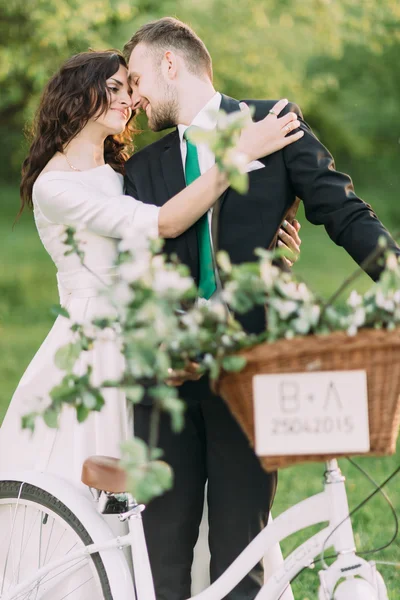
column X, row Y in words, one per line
column 313, row 413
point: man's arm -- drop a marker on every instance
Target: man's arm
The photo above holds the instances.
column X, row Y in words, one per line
column 329, row 198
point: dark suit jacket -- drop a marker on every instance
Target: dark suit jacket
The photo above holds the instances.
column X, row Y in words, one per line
column 304, row 169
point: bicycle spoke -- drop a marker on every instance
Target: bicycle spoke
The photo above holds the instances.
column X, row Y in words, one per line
column 72, row 547
column 40, row 550
column 30, row 533
column 22, row 539
column 56, row 546
column 48, row 541
column 77, row 588
column 9, row 547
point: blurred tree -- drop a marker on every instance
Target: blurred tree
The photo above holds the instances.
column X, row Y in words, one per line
column 335, row 58
column 35, row 37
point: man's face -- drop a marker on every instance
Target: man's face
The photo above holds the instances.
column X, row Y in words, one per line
column 153, row 92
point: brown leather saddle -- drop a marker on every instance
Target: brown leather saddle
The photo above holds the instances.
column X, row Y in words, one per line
column 104, row 473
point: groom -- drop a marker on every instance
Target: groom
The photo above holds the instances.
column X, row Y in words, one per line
column 171, row 76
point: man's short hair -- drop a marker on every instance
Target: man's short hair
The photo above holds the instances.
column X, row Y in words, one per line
column 168, row 33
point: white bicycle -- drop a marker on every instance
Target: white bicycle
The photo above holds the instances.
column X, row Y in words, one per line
column 56, row 543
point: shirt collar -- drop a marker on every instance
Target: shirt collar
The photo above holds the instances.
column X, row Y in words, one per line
column 206, row 118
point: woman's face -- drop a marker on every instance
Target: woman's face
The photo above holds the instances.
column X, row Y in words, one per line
column 118, row 114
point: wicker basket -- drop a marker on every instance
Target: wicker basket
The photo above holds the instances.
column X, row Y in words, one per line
column 376, row 351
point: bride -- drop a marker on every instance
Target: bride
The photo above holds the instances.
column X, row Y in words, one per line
column 73, row 176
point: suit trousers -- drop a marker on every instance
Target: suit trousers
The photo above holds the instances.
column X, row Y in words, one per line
column 240, row 494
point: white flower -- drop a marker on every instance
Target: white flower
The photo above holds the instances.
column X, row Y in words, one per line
column 290, row 289
column 310, row 312
column 240, row 117
column 392, row 262
column 208, row 360
column 192, row 320
column 359, row 317
column 224, row 262
column 383, row 302
column 354, row 300
column 352, row 330
column 134, row 269
column 171, row 281
column 90, row 330
column 303, row 293
column 229, row 291
column 268, row 273
column 218, row 309
column 158, row 262
column 122, row 293
column 380, row 299
column 136, row 240
column 284, row 307
column 301, row 325
column 236, row 159
column 225, row 340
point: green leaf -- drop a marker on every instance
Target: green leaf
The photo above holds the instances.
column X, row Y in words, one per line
column 66, row 391
column 82, row 413
column 202, row 136
column 239, row 182
column 66, row 356
column 134, row 453
column 60, row 311
column 233, row 363
column 50, row 417
column 89, row 400
column 152, row 481
column 28, row 421
column 214, row 369
column 176, row 409
column 99, row 400
column 134, row 393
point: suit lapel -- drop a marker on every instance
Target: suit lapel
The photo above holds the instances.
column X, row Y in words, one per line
column 174, row 177
column 171, row 165
column 229, row 105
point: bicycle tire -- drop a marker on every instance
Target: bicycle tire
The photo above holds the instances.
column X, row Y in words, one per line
column 32, row 493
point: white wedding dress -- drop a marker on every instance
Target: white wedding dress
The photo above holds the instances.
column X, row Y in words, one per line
column 93, row 202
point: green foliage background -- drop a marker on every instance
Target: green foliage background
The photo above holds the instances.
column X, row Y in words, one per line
column 338, row 59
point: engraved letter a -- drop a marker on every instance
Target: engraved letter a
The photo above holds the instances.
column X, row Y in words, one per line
column 332, row 395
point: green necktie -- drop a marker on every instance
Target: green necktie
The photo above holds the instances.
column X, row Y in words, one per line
column 207, row 283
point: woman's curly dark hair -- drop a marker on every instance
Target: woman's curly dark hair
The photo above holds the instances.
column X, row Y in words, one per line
column 73, row 96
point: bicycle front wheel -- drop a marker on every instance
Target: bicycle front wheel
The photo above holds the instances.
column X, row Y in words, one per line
column 36, row 529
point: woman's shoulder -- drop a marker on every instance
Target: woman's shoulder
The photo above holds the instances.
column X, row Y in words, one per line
column 68, row 177
column 50, row 183
column 56, row 163
column 55, row 169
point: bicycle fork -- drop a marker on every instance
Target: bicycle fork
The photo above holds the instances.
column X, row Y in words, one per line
column 349, row 577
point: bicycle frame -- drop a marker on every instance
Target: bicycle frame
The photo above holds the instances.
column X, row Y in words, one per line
column 328, row 506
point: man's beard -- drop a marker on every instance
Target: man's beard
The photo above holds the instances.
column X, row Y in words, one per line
column 165, row 115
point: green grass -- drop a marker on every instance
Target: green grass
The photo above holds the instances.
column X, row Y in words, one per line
column 28, row 290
